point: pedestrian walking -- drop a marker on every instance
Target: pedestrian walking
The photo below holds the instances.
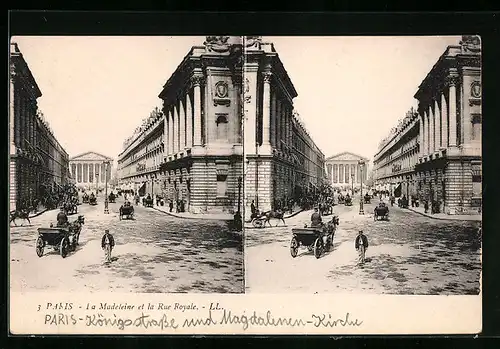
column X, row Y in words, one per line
column 107, row 244
column 361, row 244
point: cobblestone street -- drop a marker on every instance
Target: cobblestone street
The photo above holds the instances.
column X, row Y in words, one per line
column 409, row 254
column 154, row 253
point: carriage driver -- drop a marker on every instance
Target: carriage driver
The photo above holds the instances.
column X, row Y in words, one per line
column 316, row 220
column 62, row 218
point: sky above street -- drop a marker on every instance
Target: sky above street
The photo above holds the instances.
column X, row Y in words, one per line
column 351, row 90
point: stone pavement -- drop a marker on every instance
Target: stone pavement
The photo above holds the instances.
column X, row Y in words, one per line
column 188, row 215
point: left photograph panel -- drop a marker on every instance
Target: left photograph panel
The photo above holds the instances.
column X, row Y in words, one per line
column 126, row 164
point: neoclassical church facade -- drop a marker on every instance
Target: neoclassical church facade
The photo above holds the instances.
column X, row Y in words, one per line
column 346, row 169
column 87, row 170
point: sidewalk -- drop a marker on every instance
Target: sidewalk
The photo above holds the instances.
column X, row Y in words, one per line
column 444, row 216
column 189, row 215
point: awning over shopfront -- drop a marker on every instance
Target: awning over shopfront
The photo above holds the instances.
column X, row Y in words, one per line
column 397, row 191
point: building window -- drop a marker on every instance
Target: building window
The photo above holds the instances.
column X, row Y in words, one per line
column 476, row 127
column 221, row 126
column 476, row 180
column 221, row 185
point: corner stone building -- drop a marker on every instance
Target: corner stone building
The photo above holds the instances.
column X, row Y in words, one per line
column 37, row 160
column 449, row 105
column 203, row 150
column 282, row 160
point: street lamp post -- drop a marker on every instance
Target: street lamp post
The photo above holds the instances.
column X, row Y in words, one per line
column 352, row 182
column 361, row 167
column 106, row 202
column 237, row 217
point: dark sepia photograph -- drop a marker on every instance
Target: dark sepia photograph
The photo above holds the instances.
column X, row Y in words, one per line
column 363, row 165
column 126, row 164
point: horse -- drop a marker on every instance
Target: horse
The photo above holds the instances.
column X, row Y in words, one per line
column 22, row 214
column 278, row 214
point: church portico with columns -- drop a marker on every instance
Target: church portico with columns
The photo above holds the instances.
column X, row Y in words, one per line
column 203, row 155
column 344, row 171
column 89, row 172
column 449, row 105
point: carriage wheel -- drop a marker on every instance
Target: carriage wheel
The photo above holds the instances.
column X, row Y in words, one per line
column 318, row 247
column 39, row 246
column 64, row 247
column 329, row 242
column 258, row 223
column 294, row 247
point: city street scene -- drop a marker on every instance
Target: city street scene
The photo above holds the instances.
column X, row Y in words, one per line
column 363, row 165
column 126, row 165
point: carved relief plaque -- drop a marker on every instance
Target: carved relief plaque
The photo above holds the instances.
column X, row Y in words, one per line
column 221, row 94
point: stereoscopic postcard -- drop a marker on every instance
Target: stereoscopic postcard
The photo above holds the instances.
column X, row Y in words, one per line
column 245, row 185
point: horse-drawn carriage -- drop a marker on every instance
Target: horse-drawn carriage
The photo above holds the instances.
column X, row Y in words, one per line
column 85, row 198
column 62, row 239
column 341, row 199
column 92, row 200
column 381, row 212
column 326, row 209
column 403, row 202
column 317, row 239
column 348, row 201
column 367, row 198
column 259, row 219
column 126, row 211
column 112, row 198
column 70, row 207
column 147, row 202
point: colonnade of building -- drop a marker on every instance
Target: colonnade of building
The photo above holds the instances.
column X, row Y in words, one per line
column 91, row 172
column 346, row 173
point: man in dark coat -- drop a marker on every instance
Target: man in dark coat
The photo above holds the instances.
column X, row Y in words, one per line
column 107, row 244
column 361, row 244
column 316, row 220
column 62, row 218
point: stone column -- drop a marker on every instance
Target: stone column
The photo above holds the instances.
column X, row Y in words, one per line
column 427, row 124
column 266, row 114
column 182, row 125
column 197, row 81
column 278, row 125
column 421, row 135
column 444, row 122
column 452, row 105
column 250, row 98
column 437, row 126
column 424, row 132
column 432, row 123
column 171, row 131
column 273, row 120
column 12, row 111
column 165, row 133
column 175, row 129
column 189, row 122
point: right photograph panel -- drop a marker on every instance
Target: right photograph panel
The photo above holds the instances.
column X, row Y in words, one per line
column 363, row 165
